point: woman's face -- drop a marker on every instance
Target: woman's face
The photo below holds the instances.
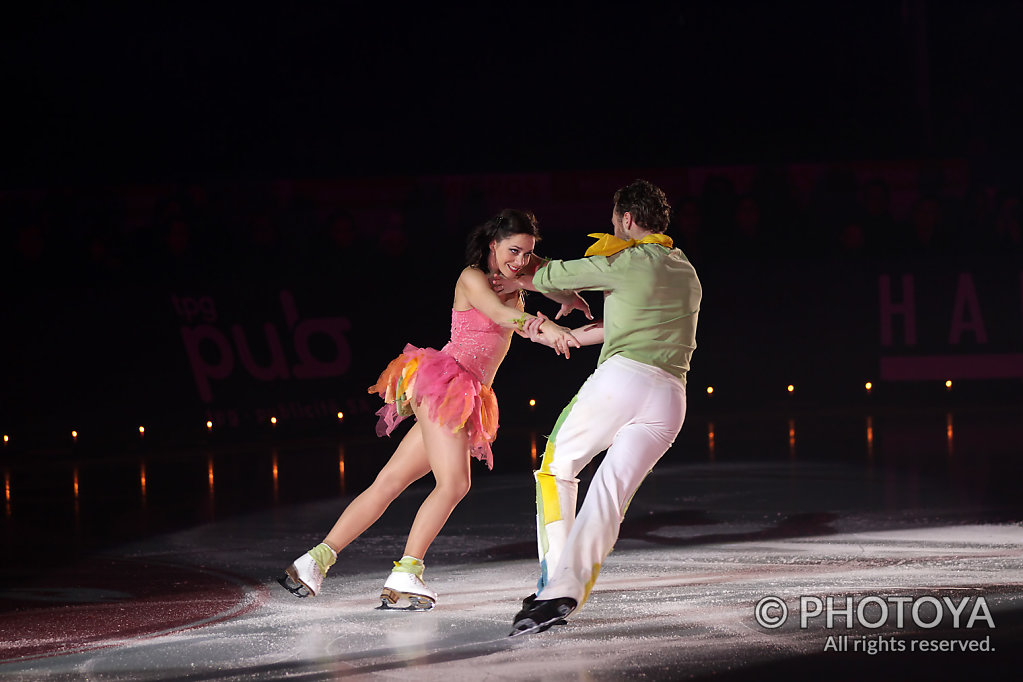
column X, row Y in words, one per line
column 510, row 255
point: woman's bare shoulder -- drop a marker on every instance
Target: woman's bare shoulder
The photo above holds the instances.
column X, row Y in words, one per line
column 470, row 280
column 472, row 275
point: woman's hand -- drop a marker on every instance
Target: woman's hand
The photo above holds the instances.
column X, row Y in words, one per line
column 531, row 329
column 557, row 337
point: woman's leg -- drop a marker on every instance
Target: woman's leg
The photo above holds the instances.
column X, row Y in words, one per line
column 448, row 455
column 409, row 463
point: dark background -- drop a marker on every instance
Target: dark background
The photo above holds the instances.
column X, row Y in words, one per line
column 151, row 151
column 186, row 91
column 337, row 153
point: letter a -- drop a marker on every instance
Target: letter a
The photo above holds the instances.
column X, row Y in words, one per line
column 966, row 306
column 981, row 606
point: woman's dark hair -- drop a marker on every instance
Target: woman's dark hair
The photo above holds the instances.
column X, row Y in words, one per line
column 647, row 204
column 501, row 226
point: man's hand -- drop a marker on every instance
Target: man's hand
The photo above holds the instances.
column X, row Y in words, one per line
column 559, row 338
column 541, row 329
column 503, row 285
column 576, row 303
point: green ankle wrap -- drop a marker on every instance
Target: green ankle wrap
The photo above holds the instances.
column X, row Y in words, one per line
column 324, row 556
column 409, row 564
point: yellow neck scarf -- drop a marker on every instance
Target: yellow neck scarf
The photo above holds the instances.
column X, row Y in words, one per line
column 608, row 244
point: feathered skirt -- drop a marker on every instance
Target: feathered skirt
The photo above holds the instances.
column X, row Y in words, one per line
column 454, row 397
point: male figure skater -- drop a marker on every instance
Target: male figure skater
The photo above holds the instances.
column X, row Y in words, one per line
column 633, row 404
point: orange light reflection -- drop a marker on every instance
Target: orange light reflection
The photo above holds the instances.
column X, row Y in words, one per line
column 710, row 439
column 277, row 488
column 77, row 506
column 341, row 465
column 949, row 433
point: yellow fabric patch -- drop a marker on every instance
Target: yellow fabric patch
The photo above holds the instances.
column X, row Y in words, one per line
column 324, row 556
column 550, row 505
column 548, row 455
column 589, row 583
column 409, row 564
column 406, row 376
column 608, row 244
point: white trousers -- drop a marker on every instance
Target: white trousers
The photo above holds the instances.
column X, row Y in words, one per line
column 632, row 410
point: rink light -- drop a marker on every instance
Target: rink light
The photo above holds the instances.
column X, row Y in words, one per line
column 7, row 438
column 340, row 416
column 532, row 402
column 710, row 390
column 791, row 388
column 273, row 420
column 209, row 425
column 869, row 386
column 948, row 385
column 74, row 435
column 142, row 431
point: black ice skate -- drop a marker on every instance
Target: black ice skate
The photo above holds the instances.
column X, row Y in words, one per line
column 541, row 614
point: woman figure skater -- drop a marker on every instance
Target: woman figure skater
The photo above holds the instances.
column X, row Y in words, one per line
column 448, row 391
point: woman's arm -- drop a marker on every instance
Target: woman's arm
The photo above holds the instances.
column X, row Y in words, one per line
column 474, row 288
column 587, row 335
column 569, row 300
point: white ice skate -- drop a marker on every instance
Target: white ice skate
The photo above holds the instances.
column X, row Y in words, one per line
column 409, row 586
column 305, row 576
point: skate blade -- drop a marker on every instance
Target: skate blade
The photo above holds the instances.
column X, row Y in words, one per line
column 389, row 599
column 524, row 627
column 529, row 626
column 296, row 587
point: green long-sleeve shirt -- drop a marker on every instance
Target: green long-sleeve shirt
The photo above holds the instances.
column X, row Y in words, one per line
column 651, row 305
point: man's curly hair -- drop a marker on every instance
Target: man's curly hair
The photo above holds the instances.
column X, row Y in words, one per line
column 646, row 202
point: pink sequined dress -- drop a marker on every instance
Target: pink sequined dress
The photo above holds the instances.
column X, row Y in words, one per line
column 454, row 381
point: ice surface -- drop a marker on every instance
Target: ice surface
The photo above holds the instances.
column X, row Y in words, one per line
column 702, row 545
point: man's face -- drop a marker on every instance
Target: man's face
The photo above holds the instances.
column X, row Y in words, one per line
column 616, row 221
